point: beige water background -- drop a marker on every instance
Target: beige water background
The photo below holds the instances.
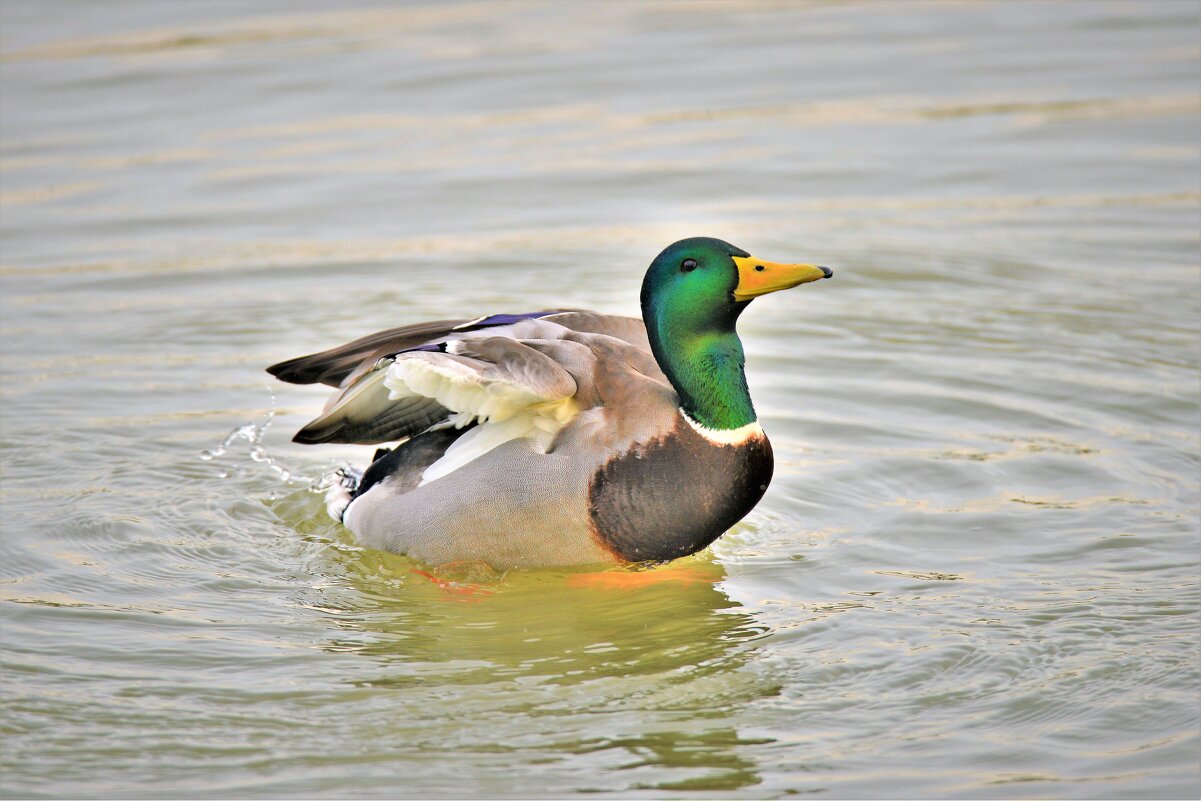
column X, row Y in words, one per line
column 976, row 573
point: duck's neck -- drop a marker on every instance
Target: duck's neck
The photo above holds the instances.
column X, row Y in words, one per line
column 707, row 373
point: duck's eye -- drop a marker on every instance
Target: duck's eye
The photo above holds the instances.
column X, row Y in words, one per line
column 688, row 265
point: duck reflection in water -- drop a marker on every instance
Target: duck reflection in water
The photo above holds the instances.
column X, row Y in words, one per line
column 656, row 662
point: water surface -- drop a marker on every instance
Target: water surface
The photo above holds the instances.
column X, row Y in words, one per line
column 976, row 573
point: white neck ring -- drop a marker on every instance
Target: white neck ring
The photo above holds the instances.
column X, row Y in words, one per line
column 725, row 436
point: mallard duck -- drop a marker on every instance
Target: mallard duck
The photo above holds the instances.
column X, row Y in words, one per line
column 557, row 437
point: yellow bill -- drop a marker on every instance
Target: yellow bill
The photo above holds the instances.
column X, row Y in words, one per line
column 758, row 277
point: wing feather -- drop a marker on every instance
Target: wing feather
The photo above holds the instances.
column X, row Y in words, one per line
column 365, row 414
column 333, row 366
column 506, row 376
column 475, row 380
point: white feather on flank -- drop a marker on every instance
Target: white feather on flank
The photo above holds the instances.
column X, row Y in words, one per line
column 505, row 410
column 725, row 436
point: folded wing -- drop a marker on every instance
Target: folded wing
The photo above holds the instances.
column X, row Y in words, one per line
column 503, row 377
column 503, row 388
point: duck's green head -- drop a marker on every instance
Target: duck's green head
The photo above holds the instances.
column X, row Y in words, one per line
column 703, row 283
column 691, row 298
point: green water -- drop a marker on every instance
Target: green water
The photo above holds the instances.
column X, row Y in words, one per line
column 976, row 573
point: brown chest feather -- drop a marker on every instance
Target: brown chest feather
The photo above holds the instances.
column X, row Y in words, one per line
column 675, row 496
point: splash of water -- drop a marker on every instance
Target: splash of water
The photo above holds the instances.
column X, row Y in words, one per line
column 252, row 434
